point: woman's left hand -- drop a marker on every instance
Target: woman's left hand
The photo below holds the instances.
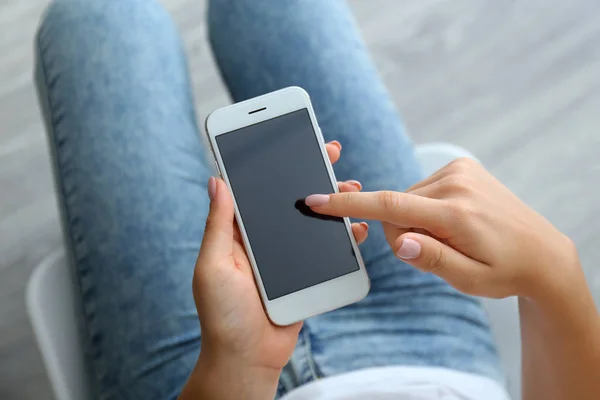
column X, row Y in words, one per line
column 238, row 340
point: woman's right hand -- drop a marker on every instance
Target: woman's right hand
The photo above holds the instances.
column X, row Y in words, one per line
column 466, row 227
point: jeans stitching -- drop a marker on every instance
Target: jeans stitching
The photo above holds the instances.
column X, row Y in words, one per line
column 45, row 83
column 312, row 366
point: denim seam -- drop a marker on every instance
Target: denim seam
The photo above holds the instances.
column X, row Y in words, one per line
column 73, row 238
column 308, row 353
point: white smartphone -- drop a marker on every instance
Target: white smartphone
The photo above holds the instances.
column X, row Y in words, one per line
column 270, row 152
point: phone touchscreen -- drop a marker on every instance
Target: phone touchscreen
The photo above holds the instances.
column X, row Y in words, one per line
column 272, row 166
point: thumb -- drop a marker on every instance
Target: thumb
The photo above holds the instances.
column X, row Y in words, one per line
column 219, row 230
column 430, row 255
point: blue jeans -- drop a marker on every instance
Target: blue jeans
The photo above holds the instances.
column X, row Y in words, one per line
column 131, row 179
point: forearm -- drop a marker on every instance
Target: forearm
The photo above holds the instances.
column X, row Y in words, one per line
column 560, row 329
column 225, row 379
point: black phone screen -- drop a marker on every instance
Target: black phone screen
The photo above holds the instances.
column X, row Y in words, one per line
column 272, row 166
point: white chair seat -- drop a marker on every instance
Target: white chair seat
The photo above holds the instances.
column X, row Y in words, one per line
column 54, row 315
column 53, row 312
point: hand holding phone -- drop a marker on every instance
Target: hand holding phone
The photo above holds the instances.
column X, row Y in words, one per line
column 270, row 153
column 238, row 340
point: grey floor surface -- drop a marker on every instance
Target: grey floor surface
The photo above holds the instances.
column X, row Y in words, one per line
column 516, row 81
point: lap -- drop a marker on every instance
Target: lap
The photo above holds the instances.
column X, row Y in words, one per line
column 131, row 177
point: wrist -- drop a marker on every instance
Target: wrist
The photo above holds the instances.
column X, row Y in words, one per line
column 220, row 376
column 557, row 275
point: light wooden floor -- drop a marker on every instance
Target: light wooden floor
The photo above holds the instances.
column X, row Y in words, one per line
column 516, row 82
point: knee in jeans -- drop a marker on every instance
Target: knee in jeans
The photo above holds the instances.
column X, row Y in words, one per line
column 120, row 17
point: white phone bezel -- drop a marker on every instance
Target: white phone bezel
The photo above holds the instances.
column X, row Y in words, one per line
column 316, row 299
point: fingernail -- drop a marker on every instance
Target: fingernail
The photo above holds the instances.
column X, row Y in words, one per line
column 409, row 250
column 315, row 200
column 365, row 225
column 212, row 187
column 355, row 183
column 336, row 144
